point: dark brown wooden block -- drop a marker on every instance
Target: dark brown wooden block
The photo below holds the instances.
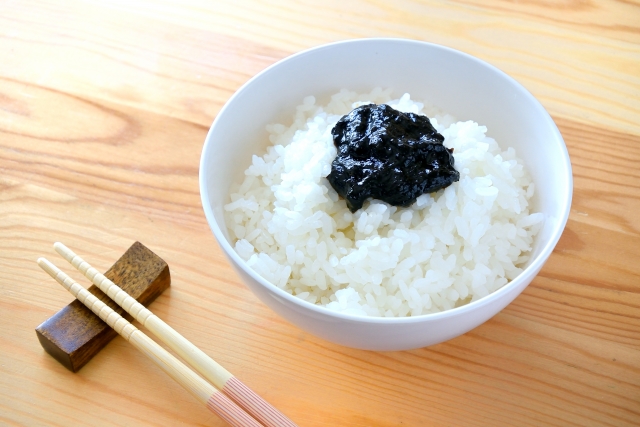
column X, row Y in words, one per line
column 74, row 334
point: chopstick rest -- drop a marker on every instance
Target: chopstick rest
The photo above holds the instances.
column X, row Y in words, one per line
column 216, row 401
column 74, row 335
column 196, row 358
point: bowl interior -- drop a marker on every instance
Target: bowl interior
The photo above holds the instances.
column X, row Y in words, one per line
column 459, row 84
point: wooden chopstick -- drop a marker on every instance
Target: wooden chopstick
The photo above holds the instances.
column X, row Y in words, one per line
column 216, row 401
column 200, row 361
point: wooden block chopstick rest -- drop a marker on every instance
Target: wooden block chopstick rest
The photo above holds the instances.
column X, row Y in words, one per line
column 75, row 334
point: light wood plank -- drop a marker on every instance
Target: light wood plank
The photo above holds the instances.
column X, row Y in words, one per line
column 103, row 112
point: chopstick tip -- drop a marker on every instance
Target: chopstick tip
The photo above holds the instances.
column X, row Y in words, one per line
column 45, row 264
column 63, row 251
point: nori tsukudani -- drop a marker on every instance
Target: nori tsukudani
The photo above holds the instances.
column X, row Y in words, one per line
column 388, row 155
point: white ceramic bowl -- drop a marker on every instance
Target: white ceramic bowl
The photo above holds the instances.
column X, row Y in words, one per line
column 459, row 84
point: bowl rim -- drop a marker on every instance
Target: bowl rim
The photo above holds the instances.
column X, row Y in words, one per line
column 531, row 270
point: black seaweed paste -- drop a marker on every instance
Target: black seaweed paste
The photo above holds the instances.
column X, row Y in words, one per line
column 388, row 155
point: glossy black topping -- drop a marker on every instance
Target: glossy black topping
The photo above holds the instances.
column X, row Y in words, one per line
column 388, row 155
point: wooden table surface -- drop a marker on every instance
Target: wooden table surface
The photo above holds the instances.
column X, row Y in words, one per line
column 104, row 107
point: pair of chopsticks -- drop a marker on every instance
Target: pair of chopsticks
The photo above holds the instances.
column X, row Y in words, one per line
column 225, row 395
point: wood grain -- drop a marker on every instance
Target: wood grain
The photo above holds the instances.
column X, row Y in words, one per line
column 104, row 107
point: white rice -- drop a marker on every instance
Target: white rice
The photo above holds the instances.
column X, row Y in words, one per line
column 449, row 248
